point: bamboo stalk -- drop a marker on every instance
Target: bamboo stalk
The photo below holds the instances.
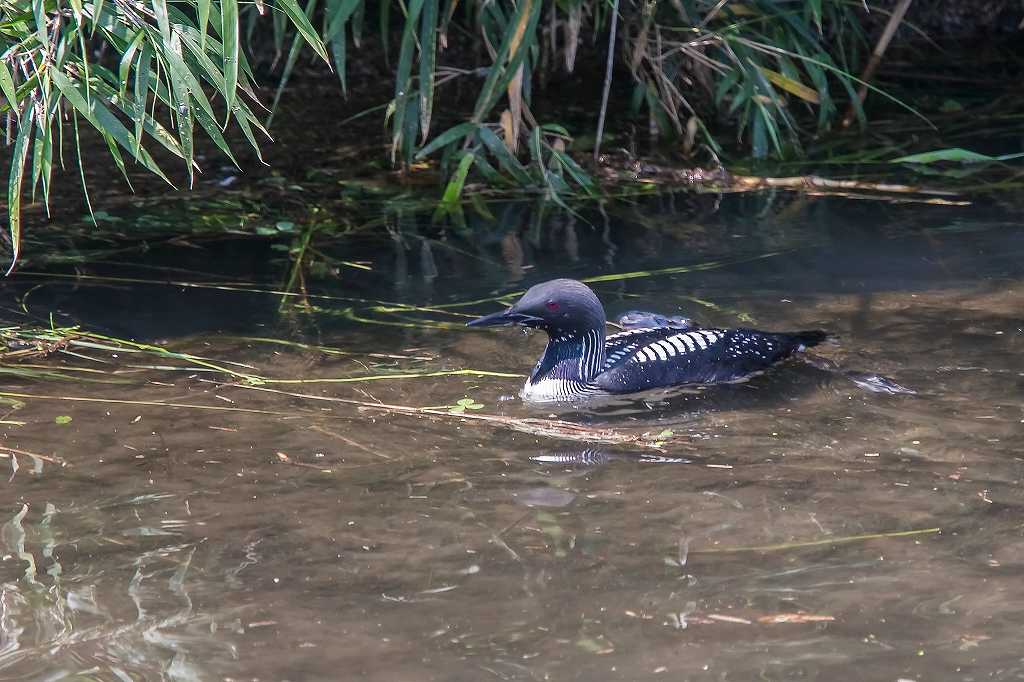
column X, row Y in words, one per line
column 876, row 57
column 607, row 81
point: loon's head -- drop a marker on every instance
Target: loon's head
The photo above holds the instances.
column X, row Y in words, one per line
column 559, row 307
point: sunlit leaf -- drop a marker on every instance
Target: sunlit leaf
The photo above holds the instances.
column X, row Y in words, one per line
column 954, row 154
column 790, row 85
column 453, row 190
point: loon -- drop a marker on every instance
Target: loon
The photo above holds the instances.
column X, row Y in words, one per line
column 581, row 361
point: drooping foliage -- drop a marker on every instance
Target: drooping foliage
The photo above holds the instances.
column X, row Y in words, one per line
column 159, row 73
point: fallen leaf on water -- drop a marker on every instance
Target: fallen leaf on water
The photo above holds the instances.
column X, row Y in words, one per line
column 971, row 641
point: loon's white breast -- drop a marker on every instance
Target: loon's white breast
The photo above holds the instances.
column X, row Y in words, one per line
column 555, row 390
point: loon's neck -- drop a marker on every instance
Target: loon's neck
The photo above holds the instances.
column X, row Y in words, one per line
column 571, row 356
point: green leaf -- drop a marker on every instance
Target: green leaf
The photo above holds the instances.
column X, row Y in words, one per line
column 42, row 157
column 505, row 158
column 7, row 86
column 759, row 139
column 954, row 154
column 62, row 419
column 289, row 65
column 454, row 133
column 118, row 159
column 428, row 59
column 162, row 22
column 403, row 76
column 18, row 161
column 336, row 14
column 790, row 85
column 127, row 58
column 815, row 7
column 39, row 10
column 522, row 28
column 229, row 33
column 204, row 20
column 141, row 91
column 578, row 174
column 454, row 189
column 301, row 22
column 103, row 120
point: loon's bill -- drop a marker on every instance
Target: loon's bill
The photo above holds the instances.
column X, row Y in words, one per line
column 580, row 360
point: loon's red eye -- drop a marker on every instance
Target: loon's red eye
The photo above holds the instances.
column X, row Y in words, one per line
column 552, row 306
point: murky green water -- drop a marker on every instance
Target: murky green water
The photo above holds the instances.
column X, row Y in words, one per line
column 281, row 537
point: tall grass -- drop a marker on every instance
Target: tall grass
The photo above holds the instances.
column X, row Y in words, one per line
column 159, row 73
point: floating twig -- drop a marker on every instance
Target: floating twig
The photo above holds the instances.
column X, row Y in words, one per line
column 348, row 441
column 285, row 459
column 25, row 453
column 721, row 180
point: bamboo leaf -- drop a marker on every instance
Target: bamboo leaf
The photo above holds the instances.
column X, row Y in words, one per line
column 403, row 76
column 7, row 85
column 42, row 155
column 428, row 58
column 128, row 57
column 339, row 50
column 793, row 87
column 954, row 154
column 336, row 14
column 305, row 29
column 815, row 7
column 118, row 159
column 505, row 158
column 204, row 21
column 446, row 138
column 141, row 91
column 18, row 159
column 453, row 190
column 293, row 54
column 229, row 34
column 578, row 174
column 525, row 24
column 39, row 10
column 162, row 21
column 144, row 122
column 104, row 120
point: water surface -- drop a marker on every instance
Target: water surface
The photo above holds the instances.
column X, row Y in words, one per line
column 288, row 538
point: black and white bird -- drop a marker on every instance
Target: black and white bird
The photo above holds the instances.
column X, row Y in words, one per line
column 580, row 360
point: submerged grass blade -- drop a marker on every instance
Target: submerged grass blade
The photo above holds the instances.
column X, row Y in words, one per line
column 818, row 543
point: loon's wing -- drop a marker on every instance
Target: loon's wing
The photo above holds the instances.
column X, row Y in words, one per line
column 642, row 319
column 653, row 358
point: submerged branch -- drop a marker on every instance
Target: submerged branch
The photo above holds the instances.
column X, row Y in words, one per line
column 627, row 169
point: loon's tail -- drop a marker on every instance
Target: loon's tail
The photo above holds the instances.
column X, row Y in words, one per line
column 809, row 339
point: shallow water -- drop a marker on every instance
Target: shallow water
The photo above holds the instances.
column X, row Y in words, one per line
column 814, row 531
